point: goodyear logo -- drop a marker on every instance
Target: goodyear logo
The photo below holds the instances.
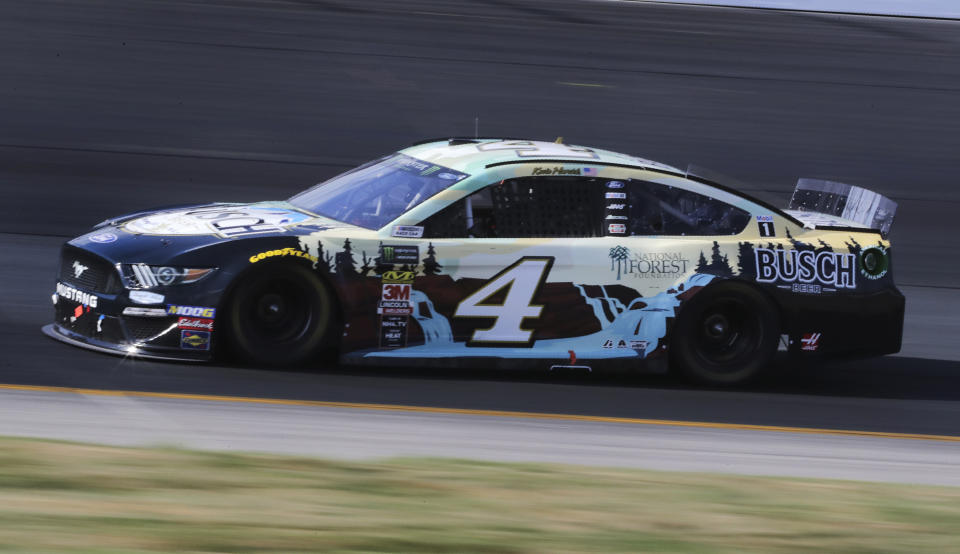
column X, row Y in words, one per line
column 295, row 252
column 191, row 311
column 402, row 277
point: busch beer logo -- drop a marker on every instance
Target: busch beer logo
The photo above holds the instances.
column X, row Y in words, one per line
column 830, row 269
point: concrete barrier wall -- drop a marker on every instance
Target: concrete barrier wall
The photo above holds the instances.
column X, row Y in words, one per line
column 949, row 9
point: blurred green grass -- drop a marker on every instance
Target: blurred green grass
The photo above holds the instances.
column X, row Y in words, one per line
column 65, row 497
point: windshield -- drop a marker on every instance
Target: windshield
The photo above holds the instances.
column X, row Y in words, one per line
column 376, row 193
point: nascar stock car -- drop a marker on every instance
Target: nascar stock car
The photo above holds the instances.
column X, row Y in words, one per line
column 495, row 251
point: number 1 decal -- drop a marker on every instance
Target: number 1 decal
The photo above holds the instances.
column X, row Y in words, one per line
column 522, row 281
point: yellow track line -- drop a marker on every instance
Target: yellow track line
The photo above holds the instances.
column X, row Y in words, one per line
column 489, row 413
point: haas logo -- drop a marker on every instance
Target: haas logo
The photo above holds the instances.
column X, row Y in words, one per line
column 78, row 269
column 810, row 342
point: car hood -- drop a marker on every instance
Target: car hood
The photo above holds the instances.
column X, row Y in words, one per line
column 170, row 232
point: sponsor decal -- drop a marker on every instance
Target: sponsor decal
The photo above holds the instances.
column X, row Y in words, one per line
column 810, row 342
column 395, row 299
column 407, row 231
column 400, row 254
column 765, row 224
column 646, row 265
column 100, row 324
column 448, row 176
column 615, row 195
column 85, row 299
column 832, row 270
column 191, row 311
column 615, row 185
column 103, row 238
column 555, row 171
column 145, row 297
column 874, row 262
column 223, row 221
column 610, row 343
column 617, row 228
column 589, row 171
column 78, row 269
column 195, row 324
column 639, row 345
column 393, row 331
column 195, row 340
column 405, row 277
column 295, row 252
column 397, row 287
column 616, row 217
column 616, row 206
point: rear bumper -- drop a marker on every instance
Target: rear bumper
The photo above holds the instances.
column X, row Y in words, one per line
column 855, row 326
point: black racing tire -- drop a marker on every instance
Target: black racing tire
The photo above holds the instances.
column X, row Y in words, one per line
column 280, row 314
column 727, row 334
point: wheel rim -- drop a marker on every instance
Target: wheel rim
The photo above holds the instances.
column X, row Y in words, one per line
column 728, row 333
column 278, row 311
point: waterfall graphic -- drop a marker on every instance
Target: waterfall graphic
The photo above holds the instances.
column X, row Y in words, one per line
column 436, row 328
column 641, row 326
column 613, row 305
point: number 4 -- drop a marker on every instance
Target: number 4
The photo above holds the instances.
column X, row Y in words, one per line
column 522, row 281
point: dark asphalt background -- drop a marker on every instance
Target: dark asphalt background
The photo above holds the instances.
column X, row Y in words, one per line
column 114, row 106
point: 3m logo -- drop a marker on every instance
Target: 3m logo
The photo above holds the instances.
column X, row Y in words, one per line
column 396, row 291
column 810, row 342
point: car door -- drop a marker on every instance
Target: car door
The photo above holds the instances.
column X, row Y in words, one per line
column 509, row 254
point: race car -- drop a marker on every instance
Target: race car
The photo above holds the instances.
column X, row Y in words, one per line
column 498, row 252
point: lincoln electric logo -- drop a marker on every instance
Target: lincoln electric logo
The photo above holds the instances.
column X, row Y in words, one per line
column 807, row 271
column 78, row 269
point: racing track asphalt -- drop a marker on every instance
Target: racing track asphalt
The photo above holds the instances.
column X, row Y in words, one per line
column 118, row 106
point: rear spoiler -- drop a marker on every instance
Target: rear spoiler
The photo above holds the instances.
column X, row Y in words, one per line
column 823, row 204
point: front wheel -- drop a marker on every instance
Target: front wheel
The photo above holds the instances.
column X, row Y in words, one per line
column 726, row 334
column 279, row 315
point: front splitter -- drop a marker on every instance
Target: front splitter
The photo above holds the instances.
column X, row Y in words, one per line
column 53, row 332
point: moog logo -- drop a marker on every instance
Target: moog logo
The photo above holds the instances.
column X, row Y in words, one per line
column 191, row 311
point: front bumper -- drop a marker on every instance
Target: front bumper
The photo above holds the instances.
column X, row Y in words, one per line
column 128, row 351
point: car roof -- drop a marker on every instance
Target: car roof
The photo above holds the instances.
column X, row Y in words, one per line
column 473, row 155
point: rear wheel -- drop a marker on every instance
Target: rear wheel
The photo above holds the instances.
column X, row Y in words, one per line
column 281, row 314
column 726, row 334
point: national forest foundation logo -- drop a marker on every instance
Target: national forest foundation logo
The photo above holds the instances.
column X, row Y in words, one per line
column 647, row 265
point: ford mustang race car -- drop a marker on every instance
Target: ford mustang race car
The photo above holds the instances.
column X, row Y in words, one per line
column 497, row 252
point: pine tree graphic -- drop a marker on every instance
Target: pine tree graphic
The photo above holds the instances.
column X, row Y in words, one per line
column 702, row 263
column 430, row 265
column 618, row 255
column 345, row 262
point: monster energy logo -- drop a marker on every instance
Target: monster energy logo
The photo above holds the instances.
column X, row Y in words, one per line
column 403, row 254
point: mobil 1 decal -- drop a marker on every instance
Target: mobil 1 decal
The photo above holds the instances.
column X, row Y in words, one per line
column 765, row 225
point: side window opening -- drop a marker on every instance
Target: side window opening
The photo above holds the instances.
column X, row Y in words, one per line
column 525, row 207
column 559, row 206
column 664, row 210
